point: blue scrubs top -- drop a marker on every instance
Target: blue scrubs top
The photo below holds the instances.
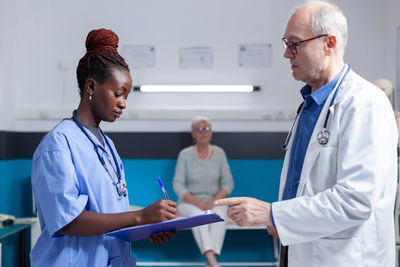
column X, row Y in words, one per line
column 67, row 178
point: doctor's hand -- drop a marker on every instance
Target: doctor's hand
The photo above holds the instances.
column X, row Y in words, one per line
column 162, row 237
column 246, row 211
column 159, row 211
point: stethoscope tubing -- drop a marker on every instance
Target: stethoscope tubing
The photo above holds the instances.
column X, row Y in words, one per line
column 285, row 144
column 299, row 109
column 97, row 147
column 337, row 87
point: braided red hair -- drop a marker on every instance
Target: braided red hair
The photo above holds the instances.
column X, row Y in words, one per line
column 102, row 40
column 101, row 56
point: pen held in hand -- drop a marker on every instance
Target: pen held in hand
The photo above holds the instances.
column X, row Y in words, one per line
column 162, row 187
column 164, row 190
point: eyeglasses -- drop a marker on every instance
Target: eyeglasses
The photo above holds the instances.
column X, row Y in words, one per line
column 203, row 129
column 293, row 45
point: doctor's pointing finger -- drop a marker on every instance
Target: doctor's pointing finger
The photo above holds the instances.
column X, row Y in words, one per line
column 247, row 211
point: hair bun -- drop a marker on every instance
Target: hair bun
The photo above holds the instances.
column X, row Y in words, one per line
column 101, row 40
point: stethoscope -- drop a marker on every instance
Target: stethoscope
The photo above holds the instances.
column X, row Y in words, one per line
column 324, row 134
column 121, row 188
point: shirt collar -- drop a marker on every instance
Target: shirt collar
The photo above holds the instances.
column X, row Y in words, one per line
column 322, row 93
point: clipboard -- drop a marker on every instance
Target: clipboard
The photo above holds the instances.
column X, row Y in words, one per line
column 145, row 231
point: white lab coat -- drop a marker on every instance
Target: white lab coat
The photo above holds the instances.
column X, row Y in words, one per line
column 343, row 212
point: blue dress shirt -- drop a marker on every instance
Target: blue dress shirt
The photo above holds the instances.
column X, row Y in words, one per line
column 313, row 104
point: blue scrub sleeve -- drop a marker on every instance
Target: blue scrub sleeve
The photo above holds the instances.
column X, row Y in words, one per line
column 56, row 189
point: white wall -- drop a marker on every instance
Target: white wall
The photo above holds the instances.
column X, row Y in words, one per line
column 8, row 89
column 392, row 20
column 49, row 32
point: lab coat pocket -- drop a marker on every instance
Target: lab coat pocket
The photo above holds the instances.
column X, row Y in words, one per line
column 324, row 170
column 337, row 252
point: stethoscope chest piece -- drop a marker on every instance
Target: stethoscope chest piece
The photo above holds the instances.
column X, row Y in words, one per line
column 323, row 137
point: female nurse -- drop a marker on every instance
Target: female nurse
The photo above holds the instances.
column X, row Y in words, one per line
column 77, row 175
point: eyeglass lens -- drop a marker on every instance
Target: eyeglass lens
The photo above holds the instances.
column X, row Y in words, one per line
column 293, row 45
column 203, row 129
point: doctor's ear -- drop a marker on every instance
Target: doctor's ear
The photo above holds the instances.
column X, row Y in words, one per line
column 331, row 42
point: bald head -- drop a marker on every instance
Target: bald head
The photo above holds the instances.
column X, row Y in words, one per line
column 313, row 4
column 321, row 17
column 315, row 38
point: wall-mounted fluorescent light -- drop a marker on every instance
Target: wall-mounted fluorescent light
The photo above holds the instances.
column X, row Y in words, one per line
column 196, row 88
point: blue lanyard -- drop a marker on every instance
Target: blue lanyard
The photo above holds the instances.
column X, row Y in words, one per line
column 97, row 147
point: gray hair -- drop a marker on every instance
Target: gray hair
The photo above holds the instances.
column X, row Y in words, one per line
column 328, row 18
column 198, row 119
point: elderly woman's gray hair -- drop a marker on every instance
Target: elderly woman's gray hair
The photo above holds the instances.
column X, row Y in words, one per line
column 199, row 119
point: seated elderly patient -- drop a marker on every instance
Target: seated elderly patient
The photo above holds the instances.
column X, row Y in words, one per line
column 202, row 176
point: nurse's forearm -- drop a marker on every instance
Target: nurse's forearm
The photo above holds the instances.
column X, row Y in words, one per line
column 93, row 223
column 90, row 223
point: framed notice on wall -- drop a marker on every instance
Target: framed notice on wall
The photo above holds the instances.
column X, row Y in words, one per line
column 139, row 56
column 196, row 57
column 255, row 55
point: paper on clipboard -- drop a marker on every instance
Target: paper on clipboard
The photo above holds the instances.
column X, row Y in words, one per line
column 145, row 231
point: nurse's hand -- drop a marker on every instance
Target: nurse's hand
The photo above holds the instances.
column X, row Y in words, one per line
column 162, row 237
column 247, row 211
column 160, row 211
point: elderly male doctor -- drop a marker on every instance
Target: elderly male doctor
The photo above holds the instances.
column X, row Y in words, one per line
column 337, row 188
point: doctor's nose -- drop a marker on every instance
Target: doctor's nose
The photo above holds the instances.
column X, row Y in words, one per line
column 288, row 53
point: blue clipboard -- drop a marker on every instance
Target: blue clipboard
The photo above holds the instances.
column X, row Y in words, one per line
column 145, row 231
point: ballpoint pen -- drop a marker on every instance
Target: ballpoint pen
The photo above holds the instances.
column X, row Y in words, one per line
column 163, row 189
